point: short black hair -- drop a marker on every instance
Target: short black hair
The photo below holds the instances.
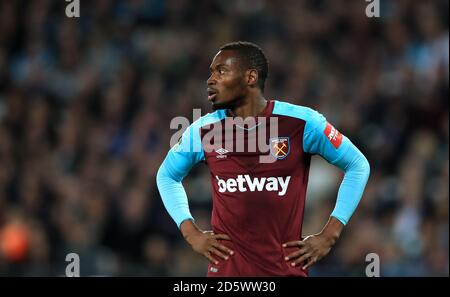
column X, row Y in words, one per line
column 252, row 56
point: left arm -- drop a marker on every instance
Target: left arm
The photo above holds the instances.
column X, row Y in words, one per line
column 323, row 139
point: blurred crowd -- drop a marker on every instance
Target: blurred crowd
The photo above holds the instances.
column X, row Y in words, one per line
column 86, row 105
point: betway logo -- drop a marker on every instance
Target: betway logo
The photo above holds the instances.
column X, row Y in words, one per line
column 244, row 182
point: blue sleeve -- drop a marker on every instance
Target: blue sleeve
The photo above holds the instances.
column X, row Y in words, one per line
column 178, row 162
column 321, row 138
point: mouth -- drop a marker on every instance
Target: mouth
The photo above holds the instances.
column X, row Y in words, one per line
column 211, row 94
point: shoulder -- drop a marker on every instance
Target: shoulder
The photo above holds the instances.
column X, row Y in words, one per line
column 207, row 119
column 211, row 118
column 310, row 116
column 190, row 140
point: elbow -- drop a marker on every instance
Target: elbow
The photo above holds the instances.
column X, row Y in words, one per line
column 365, row 167
column 160, row 175
column 163, row 180
column 360, row 166
column 164, row 175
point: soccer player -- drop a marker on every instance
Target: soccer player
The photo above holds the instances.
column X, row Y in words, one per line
column 258, row 206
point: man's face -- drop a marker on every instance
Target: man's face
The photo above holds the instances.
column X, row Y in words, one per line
column 227, row 84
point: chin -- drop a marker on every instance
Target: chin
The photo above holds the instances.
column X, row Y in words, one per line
column 225, row 105
column 221, row 105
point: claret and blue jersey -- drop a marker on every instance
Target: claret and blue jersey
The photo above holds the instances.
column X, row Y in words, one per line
column 260, row 205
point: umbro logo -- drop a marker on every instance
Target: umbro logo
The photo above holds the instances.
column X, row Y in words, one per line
column 221, row 153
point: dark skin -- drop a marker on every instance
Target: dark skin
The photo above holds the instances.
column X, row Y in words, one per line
column 231, row 86
column 314, row 247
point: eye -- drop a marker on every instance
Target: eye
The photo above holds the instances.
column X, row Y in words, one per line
column 221, row 71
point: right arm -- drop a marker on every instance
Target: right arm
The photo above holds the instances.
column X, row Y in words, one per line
column 177, row 164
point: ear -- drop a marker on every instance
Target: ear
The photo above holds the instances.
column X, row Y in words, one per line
column 252, row 77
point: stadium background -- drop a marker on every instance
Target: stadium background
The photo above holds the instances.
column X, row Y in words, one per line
column 85, row 107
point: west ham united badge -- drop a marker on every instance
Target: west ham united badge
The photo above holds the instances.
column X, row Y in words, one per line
column 280, row 147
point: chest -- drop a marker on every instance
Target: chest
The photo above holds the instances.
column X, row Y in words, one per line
column 268, row 148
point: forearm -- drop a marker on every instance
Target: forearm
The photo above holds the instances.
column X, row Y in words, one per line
column 188, row 228
column 332, row 230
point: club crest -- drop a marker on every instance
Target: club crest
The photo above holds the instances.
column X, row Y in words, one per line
column 280, row 147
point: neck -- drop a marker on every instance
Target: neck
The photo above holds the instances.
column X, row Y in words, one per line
column 251, row 106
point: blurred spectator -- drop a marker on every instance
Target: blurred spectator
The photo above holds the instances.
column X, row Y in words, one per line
column 85, row 107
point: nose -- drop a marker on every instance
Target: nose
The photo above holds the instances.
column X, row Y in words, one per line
column 211, row 80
